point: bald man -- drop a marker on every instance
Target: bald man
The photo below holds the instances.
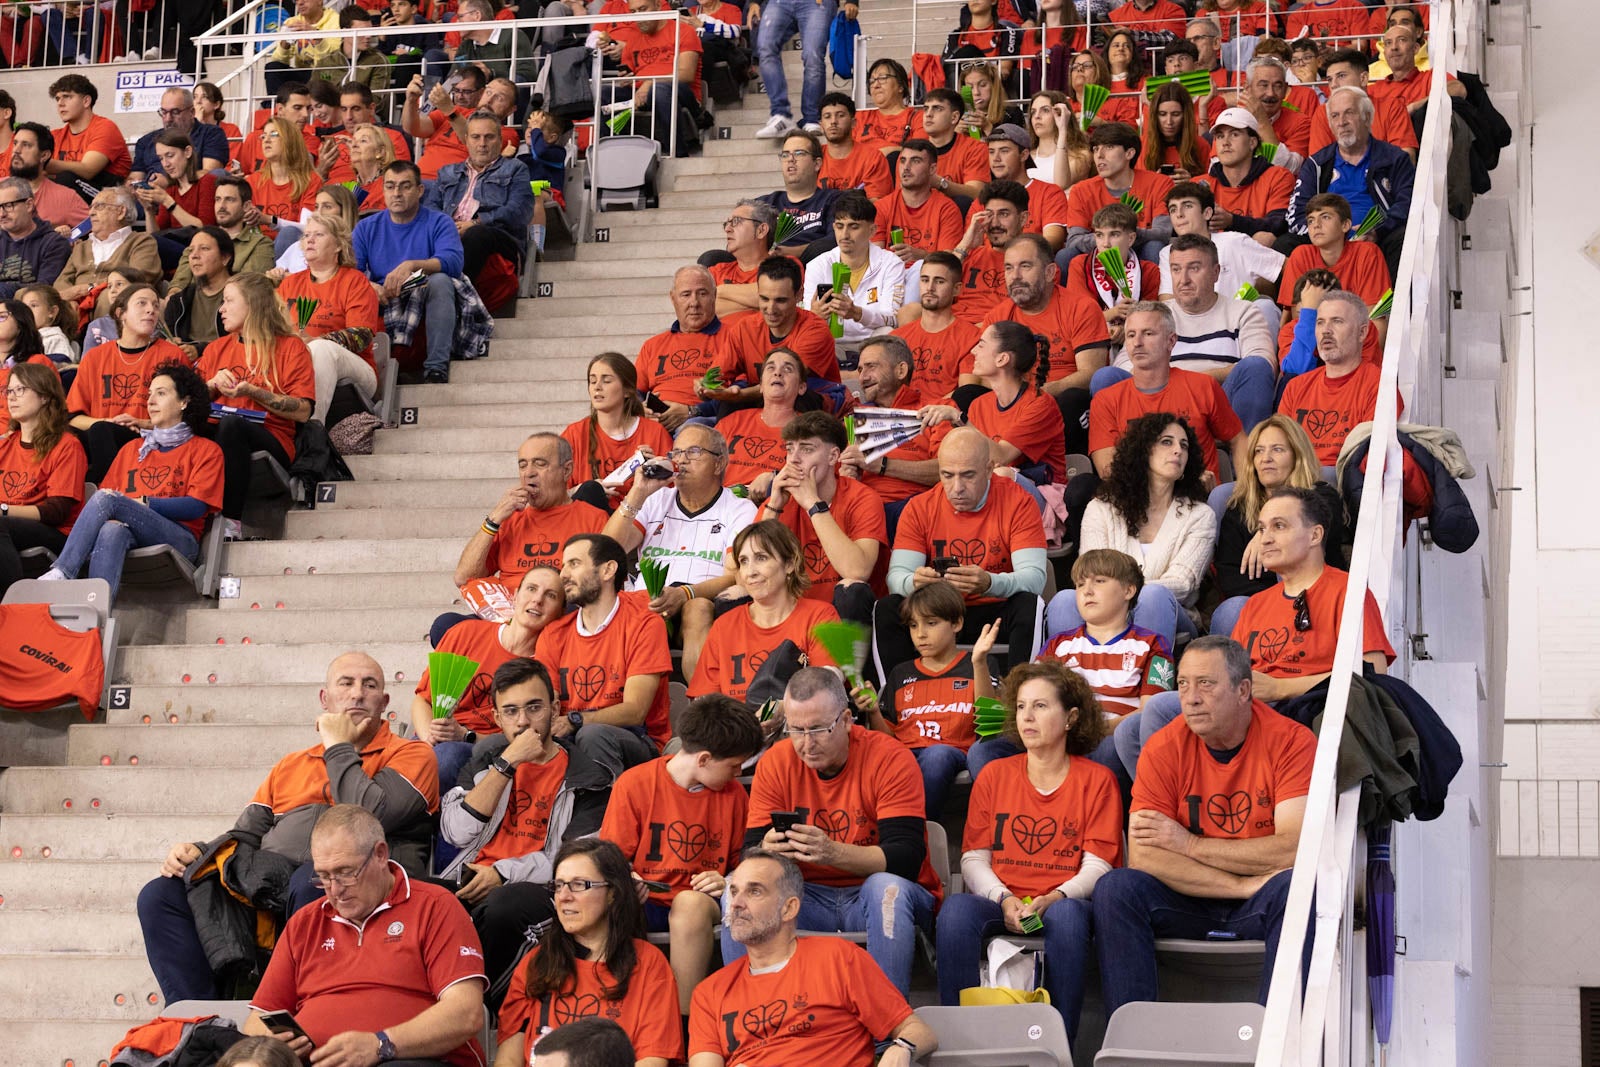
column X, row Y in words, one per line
column 196, row 932
column 980, row 532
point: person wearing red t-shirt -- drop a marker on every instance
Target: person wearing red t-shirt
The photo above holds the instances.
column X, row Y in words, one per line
column 928, row 220
column 538, row 602
column 1115, row 226
column 1297, row 337
column 859, row 835
column 454, row 100
column 1252, row 195
column 771, row 573
column 528, row 524
column 340, row 331
column 755, row 435
column 962, row 161
column 838, row 521
column 1023, row 424
column 1216, row 811
column 1341, row 23
column 1390, row 120
column 158, row 492
column 1158, row 18
column 998, row 217
column 1358, row 264
column 670, row 364
column 887, row 372
column 1405, row 82
column 594, row 962
column 1048, row 211
column 413, row 995
column 611, row 654
column 616, row 429
column 89, row 147
column 1042, row 829
column 1331, row 400
column 845, row 163
column 291, row 101
column 680, row 821
column 748, row 231
column 782, row 322
column 980, row 532
column 1116, row 147
column 660, row 53
column 849, row 1006
column 258, row 365
column 937, row 338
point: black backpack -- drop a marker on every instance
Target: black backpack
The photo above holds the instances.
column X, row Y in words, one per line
column 570, row 91
column 315, row 460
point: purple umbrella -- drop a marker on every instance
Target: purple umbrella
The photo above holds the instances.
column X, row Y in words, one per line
column 1380, row 931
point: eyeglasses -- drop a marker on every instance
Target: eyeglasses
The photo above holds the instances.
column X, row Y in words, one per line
column 733, row 220
column 1302, row 613
column 576, row 885
column 10, row 204
column 787, row 156
column 800, row 733
column 342, row 879
column 678, row 455
column 1084, row 66
column 535, row 708
column 458, row 91
column 173, row 112
column 17, row 390
column 882, row 79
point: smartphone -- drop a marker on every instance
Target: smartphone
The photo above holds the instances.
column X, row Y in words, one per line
column 281, row 1022
column 942, row 564
column 654, row 886
column 784, row 821
column 824, row 291
column 1167, row 168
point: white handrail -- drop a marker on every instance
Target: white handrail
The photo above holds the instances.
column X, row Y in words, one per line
column 1298, row 1031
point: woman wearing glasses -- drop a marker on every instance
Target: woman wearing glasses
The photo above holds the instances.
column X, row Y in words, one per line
column 284, row 190
column 1085, row 69
column 616, row 428
column 1153, row 507
column 41, row 469
column 1018, row 862
column 891, row 121
column 593, row 961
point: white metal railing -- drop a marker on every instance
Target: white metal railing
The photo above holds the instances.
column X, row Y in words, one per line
column 1326, row 1022
column 42, row 36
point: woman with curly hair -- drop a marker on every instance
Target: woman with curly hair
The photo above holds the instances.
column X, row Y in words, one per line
column 1172, row 141
column 594, row 961
column 1016, row 861
column 1153, row 507
column 160, row 489
column 616, row 427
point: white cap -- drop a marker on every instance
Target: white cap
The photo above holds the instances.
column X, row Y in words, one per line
column 1239, row 118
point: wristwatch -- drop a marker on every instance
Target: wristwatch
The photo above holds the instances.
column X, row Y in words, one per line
column 575, row 718
column 386, row 1050
column 5, row 511
column 499, row 763
column 819, row 508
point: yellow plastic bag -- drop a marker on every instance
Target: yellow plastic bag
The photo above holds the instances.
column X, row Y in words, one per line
column 980, row 996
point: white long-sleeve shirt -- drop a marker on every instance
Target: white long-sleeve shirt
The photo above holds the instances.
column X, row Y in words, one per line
column 879, row 294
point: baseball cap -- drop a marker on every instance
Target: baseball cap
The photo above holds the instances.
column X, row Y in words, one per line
column 1239, row 118
column 1010, row 131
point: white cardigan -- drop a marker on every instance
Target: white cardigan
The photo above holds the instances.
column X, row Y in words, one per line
column 1179, row 555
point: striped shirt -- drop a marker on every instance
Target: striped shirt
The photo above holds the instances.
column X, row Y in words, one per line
column 692, row 545
column 1123, row 671
column 1231, row 330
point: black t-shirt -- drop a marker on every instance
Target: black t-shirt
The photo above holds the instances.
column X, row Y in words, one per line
column 813, row 215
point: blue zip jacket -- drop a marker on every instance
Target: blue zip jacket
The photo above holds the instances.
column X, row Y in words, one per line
column 1390, row 175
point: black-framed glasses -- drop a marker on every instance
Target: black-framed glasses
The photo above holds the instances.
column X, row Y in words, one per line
column 1302, row 613
column 678, row 455
column 10, row 204
column 173, row 112
column 796, row 154
column 575, row 885
column 342, row 879
column 733, row 220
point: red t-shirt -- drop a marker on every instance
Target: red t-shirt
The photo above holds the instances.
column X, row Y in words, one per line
column 1035, row 840
column 828, row 1005
column 342, row 172
column 533, row 538
column 1198, row 397
column 1007, row 521
column 736, row 647
column 648, row 1014
column 1329, row 408
column 965, row 161
column 875, row 130
column 1293, row 129
column 592, row 670
column 879, row 781
column 938, row 356
column 610, row 453
column 749, row 341
column 859, row 513
column 671, row 362
column 1255, row 200
column 1361, row 269
column 1071, row 323
column 730, row 273
column 1409, row 90
column 69, row 665
column 526, row 823
column 1266, row 628
column 670, row 834
column 648, row 54
column 333, row 975
column 983, row 284
column 1091, row 194
column 249, row 150
column 344, row 301
column 1390, row 122
column 926, row 707
column 479, row 641
column 193, row 469
column 27, row 480
column 101, row 135
column 1180, row 778
column 864, row 167
column 1337, row 21
column 278, row 199
column 111, row 382
column 200, row 201
column 921, row 447
column 441, row 147
column 291, row 376
column 935, row 226
column 754, row 448
column 1162, row 16
column 1032, row 423
column 1254, row 21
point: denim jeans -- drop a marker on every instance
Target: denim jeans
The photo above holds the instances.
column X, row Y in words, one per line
column 1226, row 615
column 440, row 318
column 891, row 939
column 1249, row 387
column 1156, row 610
column 966, row 922
column 1133, row 731
column 939, row 765
column 108, row 527
column 781, row 20
column 1132, row 909
column 982, row 753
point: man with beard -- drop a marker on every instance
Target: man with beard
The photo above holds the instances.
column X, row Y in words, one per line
column 888, row 380
column 937, row 338
column 1048, row 213
column 928, row 220
column 32, row 148
column 1001, row 215
column 252, row 249
column 845, row 164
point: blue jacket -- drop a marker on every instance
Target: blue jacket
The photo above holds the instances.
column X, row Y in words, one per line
column 1390, row 175
column 1451, row 522
column 382, row 244
column 505, row 199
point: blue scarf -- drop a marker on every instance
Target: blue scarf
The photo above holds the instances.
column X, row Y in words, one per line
column 166, row 440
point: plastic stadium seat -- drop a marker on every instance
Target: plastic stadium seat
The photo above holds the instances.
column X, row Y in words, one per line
column 165, row 565
column 1148, row 1034
column 1209, row 971
column 1000, row 1035
column 623, row 172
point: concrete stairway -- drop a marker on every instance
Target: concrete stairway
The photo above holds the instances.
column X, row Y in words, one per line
column 220, row 690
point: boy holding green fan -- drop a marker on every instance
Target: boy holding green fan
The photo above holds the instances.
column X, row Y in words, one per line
column 1116, row 147
column 1358, row 264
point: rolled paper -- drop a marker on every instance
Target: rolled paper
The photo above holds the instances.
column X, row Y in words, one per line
column 449, row 675
column 1384, row 306
column 1373, row 220
column 884, row 413
column 1111, row 260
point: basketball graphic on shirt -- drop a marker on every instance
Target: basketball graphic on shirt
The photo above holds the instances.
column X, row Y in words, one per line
column 687, row 840
column 1032, row 834
column 568, row 1007
column 16, row 483
column 1229, row 811
column 971, row 551
column 764, row 1021
column 587, row 682
column 684, row 358
column 756, row 448
column 1270, row 643
column 816, row 559
column 835, row 822
column 125, row 386
column 151, row 480
column 477, row 694
column 1320, row 422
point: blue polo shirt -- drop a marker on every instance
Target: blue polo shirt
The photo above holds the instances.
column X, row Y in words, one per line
column 209, row 143
column 1350, row 182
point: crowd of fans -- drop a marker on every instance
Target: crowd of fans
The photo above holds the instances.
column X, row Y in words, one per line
column 1117, row 340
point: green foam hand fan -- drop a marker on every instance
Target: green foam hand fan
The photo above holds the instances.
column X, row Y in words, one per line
column 850, row 429
column 539, row 187
column 1116, row 270
column 1289, row 107
column 841, row 278
column 1197, row 82
column 1268, row 152
column 654, row 573
column 846, row 643
column 619, row 122
column 1133, row 203
column 1094, row 98
column 304, row 308
column 1031, row 924
column 1373, row 220
column 1383, row 307
column 988, row 716
column 966, row 97
column 1247, row 292
column 448, row 678
column 784, row 228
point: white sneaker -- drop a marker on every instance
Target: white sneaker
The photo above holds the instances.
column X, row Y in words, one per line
column 83, row 60
column 132, row 57
column 777, row 126
column 152, row 53
column 52, row 575
column 813, row 128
